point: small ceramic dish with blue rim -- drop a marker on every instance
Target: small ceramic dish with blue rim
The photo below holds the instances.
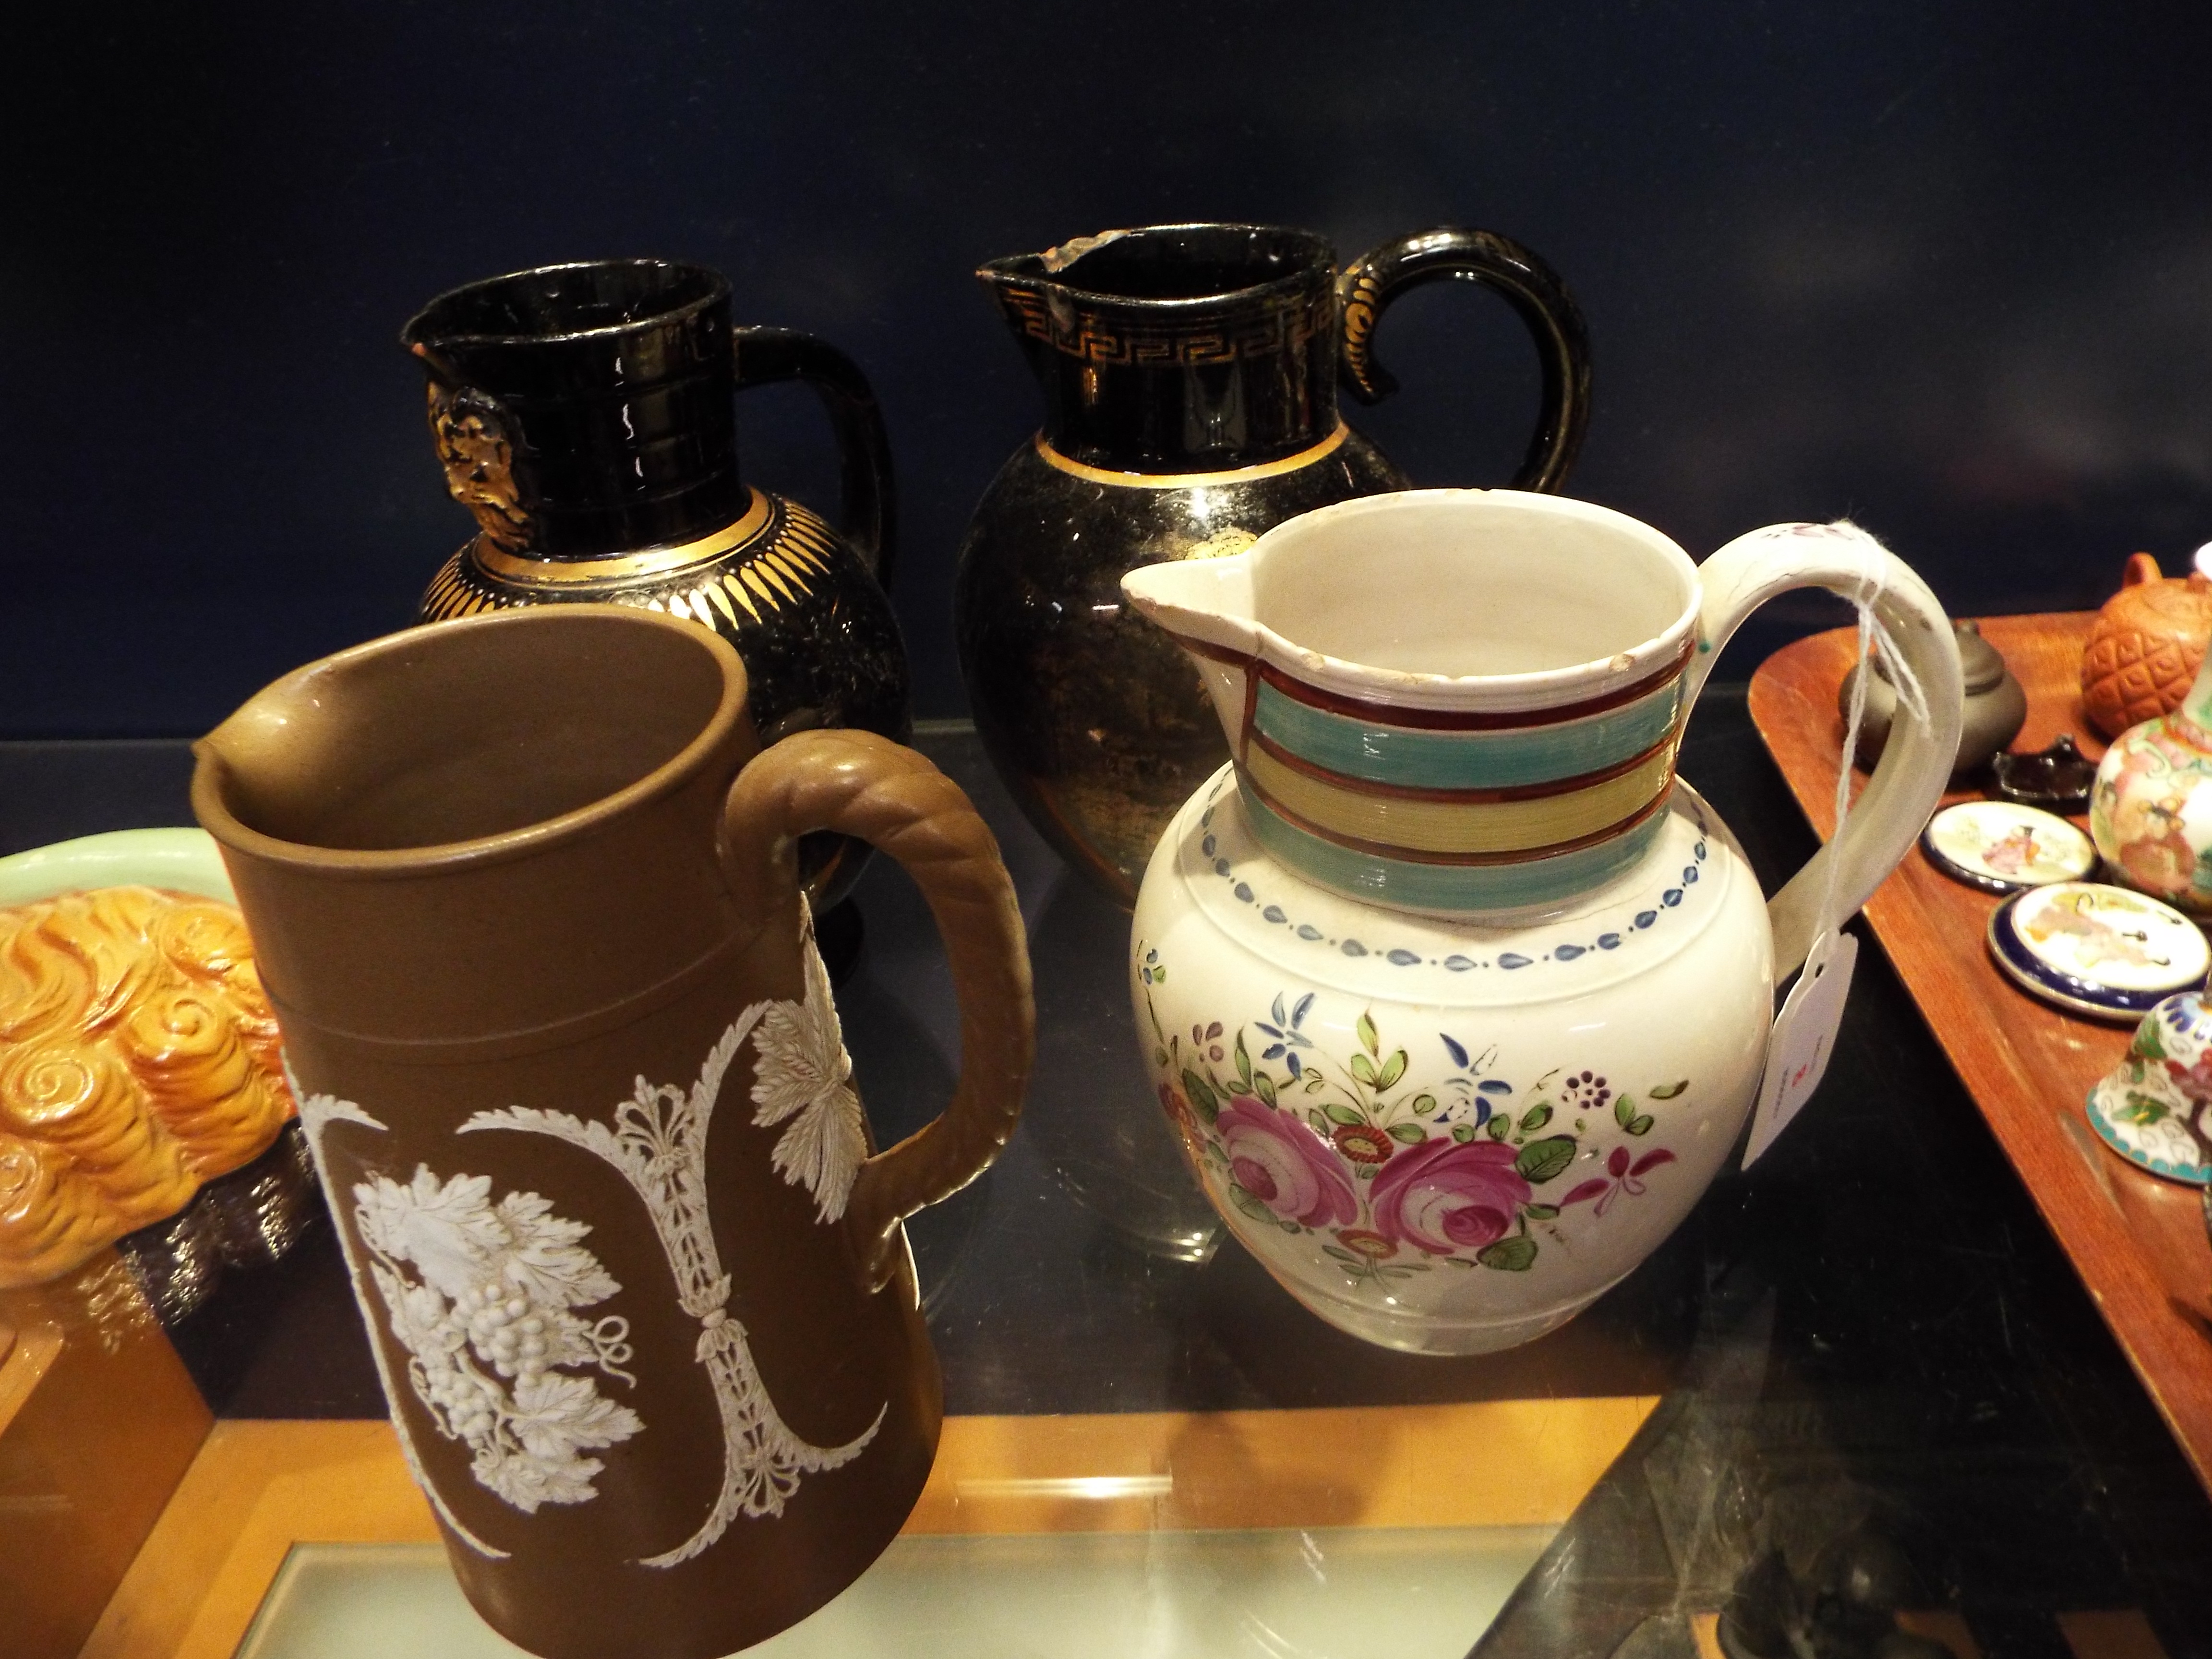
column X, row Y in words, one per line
column 2003, row 849
column 2096, row 950
column 2150, row 1107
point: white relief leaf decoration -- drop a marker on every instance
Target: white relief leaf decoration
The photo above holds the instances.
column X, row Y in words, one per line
column 448, row 1231
column 544, row 1262
column 493, row 1307
column 551, row 1416
column 317, row 1110
column 822, row 1149
column 317, row 1113
column 805, row 1075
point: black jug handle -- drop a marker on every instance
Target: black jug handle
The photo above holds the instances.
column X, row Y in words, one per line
column 869, row 522
column 1530, row 287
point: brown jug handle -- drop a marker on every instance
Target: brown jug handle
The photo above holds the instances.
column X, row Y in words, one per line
column 1367, row 288
column 869, row 517
column 859, row 784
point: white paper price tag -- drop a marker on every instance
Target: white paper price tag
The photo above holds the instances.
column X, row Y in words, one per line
column 1804, row 1038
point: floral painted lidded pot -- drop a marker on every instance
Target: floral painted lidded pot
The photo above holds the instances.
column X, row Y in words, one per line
column 1457, row 998
column 2150, row 811
column 1190, row 374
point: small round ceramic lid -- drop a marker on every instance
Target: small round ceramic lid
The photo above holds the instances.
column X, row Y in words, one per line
column 2150, row 1109
column 2001, row 847
column 2096, row 950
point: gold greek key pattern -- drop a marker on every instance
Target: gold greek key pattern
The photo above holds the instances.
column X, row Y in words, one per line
column 1280, row 329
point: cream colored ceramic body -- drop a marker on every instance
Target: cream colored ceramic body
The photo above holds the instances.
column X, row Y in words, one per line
column 1636, row 1061
column 1457, row 999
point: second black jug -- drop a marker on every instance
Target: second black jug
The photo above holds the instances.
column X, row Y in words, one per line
column 583, row 415
column 1190, row 375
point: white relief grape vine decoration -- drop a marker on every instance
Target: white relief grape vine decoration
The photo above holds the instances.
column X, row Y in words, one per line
column 316, row 1113
column 487, row 1313
column 488, row 1321
column 658, row 1143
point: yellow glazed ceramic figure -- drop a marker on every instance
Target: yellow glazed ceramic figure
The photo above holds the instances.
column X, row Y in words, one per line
column 138, row 1058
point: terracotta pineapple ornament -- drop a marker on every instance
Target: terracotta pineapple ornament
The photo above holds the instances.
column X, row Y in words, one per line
column 2145, row 646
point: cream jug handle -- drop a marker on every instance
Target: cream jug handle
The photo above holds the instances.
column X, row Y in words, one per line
column 859, row 784
column 1916, row 762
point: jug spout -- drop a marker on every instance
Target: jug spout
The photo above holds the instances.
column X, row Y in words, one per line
column 358, row 798
column 1036, row 273
column 1044, row 311
column 1032, row 293
column 1207, row 607
column 1019, row 287
column 243, row 758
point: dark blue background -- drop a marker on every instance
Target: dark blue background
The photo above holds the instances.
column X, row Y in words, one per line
column 1946, row 268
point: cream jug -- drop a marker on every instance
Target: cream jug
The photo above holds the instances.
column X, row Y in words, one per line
column 1457, row 998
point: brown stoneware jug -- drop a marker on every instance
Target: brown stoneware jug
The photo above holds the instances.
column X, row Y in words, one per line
column 527, row 909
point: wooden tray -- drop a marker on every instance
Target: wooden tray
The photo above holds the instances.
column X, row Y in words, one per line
column 2027, row 1066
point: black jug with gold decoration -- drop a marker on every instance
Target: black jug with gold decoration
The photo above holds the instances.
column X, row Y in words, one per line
column 1190, row 375
column 583, row 413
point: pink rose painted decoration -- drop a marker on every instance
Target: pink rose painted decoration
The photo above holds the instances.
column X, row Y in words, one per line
column 1443, row 1197
column 1385, row 1168
column 1285, row 1166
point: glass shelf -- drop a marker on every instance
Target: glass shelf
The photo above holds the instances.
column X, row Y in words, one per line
column 1099, row 1596
column 1152, row 1447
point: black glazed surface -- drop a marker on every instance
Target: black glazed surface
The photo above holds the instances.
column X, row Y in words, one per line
column 820, row 645
column 1095, row 720
column 1178, row 348
column 1189, row 375
column 611, row 380
column 2058, row 779
column 584, row 415
column 1937, row 268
